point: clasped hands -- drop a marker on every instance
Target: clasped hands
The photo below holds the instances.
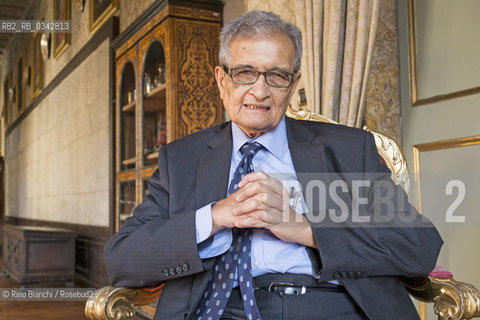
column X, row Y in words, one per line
column 262, row 202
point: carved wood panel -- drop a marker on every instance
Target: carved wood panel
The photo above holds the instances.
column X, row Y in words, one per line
column 199, row 103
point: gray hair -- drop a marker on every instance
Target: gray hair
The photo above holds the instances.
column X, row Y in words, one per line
column 255, row 23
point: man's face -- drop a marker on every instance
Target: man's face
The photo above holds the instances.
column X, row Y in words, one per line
column 257, row 108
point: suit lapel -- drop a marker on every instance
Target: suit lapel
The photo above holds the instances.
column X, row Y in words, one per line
column 306, row 148
column 214, row 167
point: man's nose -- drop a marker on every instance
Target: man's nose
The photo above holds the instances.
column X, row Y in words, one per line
column 260, row 88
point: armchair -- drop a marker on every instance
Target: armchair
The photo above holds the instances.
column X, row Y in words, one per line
column 453, row 300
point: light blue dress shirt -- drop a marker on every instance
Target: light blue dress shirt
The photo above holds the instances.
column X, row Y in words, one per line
column 269, row 254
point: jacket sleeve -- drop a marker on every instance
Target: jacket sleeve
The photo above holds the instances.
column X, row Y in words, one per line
column 154, row 246
column 395, row 241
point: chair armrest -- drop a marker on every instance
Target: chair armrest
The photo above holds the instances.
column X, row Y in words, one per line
column 117, row 303
column 453, row 300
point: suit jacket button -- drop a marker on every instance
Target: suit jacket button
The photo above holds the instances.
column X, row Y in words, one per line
column 344, row 274
column 336, row 275
column 172, row 271
column 178, row 269
column 353, row 275
column 359, row 274
column 185, row 267
column 165, row 272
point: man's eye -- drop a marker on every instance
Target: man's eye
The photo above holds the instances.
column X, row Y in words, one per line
column 245, row 72
column 278, row 76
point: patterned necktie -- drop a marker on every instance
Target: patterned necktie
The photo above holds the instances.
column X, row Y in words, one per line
column 237, row 257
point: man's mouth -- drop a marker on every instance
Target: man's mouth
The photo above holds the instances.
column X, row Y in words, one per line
column 256, row 107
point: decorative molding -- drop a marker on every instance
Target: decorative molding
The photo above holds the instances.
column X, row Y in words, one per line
column 414, row 95
column 432, row 146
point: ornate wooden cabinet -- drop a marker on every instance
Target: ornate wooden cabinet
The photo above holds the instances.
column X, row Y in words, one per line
column 165, row 88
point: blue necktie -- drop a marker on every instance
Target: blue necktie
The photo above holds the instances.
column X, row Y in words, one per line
column 237, row 257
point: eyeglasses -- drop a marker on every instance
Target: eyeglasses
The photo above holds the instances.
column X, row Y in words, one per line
column 278, row 79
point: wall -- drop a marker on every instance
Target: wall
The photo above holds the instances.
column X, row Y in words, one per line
column 130, row 10
column 382, row 111
column 441, row 53
column 57, row 159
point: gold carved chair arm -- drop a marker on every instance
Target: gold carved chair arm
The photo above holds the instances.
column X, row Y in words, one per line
column 117, row 303
column 452, row 300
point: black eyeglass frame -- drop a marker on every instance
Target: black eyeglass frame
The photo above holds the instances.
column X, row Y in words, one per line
column 228, row 71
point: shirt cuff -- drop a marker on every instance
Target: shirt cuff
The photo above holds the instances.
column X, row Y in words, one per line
column 203, row 222
column 203, row 227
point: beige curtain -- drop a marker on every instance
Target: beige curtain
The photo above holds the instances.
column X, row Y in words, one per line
column 339, row 37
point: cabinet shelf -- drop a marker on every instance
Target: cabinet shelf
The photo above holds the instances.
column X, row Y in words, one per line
column 129, row 107
column 124, row 216
column 156, row 90
column 152, row 155
column 128, row 161
column 154, row 101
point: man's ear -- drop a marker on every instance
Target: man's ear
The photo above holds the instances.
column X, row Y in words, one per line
column 220, row 77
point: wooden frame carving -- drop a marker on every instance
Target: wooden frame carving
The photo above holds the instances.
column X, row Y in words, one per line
column 100, row 11
column 433, row 146
column 19, row 66
column 61, row 40
column 37, row 66
column 11, row 98
column 5, row 104
column 413, row 81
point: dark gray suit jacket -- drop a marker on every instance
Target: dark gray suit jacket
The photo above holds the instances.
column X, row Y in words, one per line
column 158, row 244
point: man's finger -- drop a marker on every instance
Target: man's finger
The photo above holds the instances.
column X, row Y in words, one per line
column 252, row 189
column 248, row 206
column 251, row 222
column 255, row 185
column 260, row 192
column 252, row 177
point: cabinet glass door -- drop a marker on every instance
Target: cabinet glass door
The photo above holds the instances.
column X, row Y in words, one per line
column 154, row 122
column 126, row 201
column 127, row 118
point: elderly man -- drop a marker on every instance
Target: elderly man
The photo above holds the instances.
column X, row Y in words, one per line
column 227, row 237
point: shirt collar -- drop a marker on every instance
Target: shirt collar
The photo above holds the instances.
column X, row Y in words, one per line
column 274, row 141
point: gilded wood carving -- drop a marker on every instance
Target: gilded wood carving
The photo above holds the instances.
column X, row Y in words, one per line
column 197, row 92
